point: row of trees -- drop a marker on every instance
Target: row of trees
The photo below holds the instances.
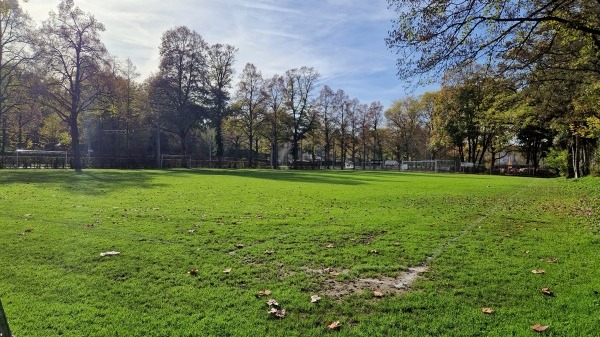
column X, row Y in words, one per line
column 521, row 73
column 60, row 87
column 531, row 87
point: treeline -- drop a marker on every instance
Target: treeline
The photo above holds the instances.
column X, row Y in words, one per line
column 61, row 89
column 516, row 74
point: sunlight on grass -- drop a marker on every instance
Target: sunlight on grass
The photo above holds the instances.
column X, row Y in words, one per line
column 296, row 234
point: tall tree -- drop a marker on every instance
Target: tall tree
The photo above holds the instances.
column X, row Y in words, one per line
column 353, row 117
column 251, row 99
column 364, row 126
column 178, row 92
column 300, row 84
column 406, row 120
column 375, row 118
column 73, row 56
column 123, row 108
column 275, row 94
column 325, row 105
column 14, row 30
column 342, row 106
column 220, row 59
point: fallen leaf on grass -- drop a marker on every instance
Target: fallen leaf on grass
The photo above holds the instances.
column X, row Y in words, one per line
column 330, row 246
column 551, row 260
column 315, row 298
column 539, row 327
column 193, row 272
column 397, row 244
column 377, row 294
column 334, row 325
column 487, row 311
column 277, row 313
column 538, row 271
column 263, row 293
column 334, row 273
column 272, row 303
column 269, row 252
column 239, row 245
column 111, row 253
column 374, row 252
column 29, row 230
column 227, row 271
column 547, row 291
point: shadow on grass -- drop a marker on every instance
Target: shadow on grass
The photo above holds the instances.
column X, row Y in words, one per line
column 318, row 177
column 90, row 182
column 341, row 177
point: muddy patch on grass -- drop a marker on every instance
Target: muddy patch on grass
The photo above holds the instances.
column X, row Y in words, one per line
column 396, row 285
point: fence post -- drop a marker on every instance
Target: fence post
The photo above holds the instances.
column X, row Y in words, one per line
column 4, row 329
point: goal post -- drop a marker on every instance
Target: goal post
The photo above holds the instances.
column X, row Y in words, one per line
column 175, row 161
column 39, row 158
column 429, row 166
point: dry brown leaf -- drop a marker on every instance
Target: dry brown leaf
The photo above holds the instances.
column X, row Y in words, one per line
column 487, row 311
column 277, row 313
column 227, row 271
column 263, row 293
column 551, row 260
column 330, row 246
column 315, row 298
column 377, row 294
column 334, row 325
column 538, row 271
column 547, row 291
column 272, row 303
column 539, row 327
column 397, row 244
column 29, row 230
column 334, row 273
column 193, row 272
column 269, row 252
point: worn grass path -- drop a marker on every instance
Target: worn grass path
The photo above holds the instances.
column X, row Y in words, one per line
column 479, row 236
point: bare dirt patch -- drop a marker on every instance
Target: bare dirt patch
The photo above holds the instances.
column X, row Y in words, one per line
column 397, row 285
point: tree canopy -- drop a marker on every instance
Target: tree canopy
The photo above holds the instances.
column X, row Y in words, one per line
column 431, row 36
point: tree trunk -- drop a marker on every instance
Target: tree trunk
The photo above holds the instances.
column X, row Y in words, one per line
column 255, row 154
column 183, row 141
column 219, row 141
column 574, row 157
column 251, row 156
column 295, row 146
column 4, row 135
column 342, row 153
column 74, row 127
column 274, row 148
column 157, row 145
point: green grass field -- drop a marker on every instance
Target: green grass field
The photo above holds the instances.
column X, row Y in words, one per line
column 297, row 234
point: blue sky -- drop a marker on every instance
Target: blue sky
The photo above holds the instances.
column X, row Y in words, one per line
column 342, row 39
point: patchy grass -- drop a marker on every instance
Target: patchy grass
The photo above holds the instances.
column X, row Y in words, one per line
column 479, row 236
